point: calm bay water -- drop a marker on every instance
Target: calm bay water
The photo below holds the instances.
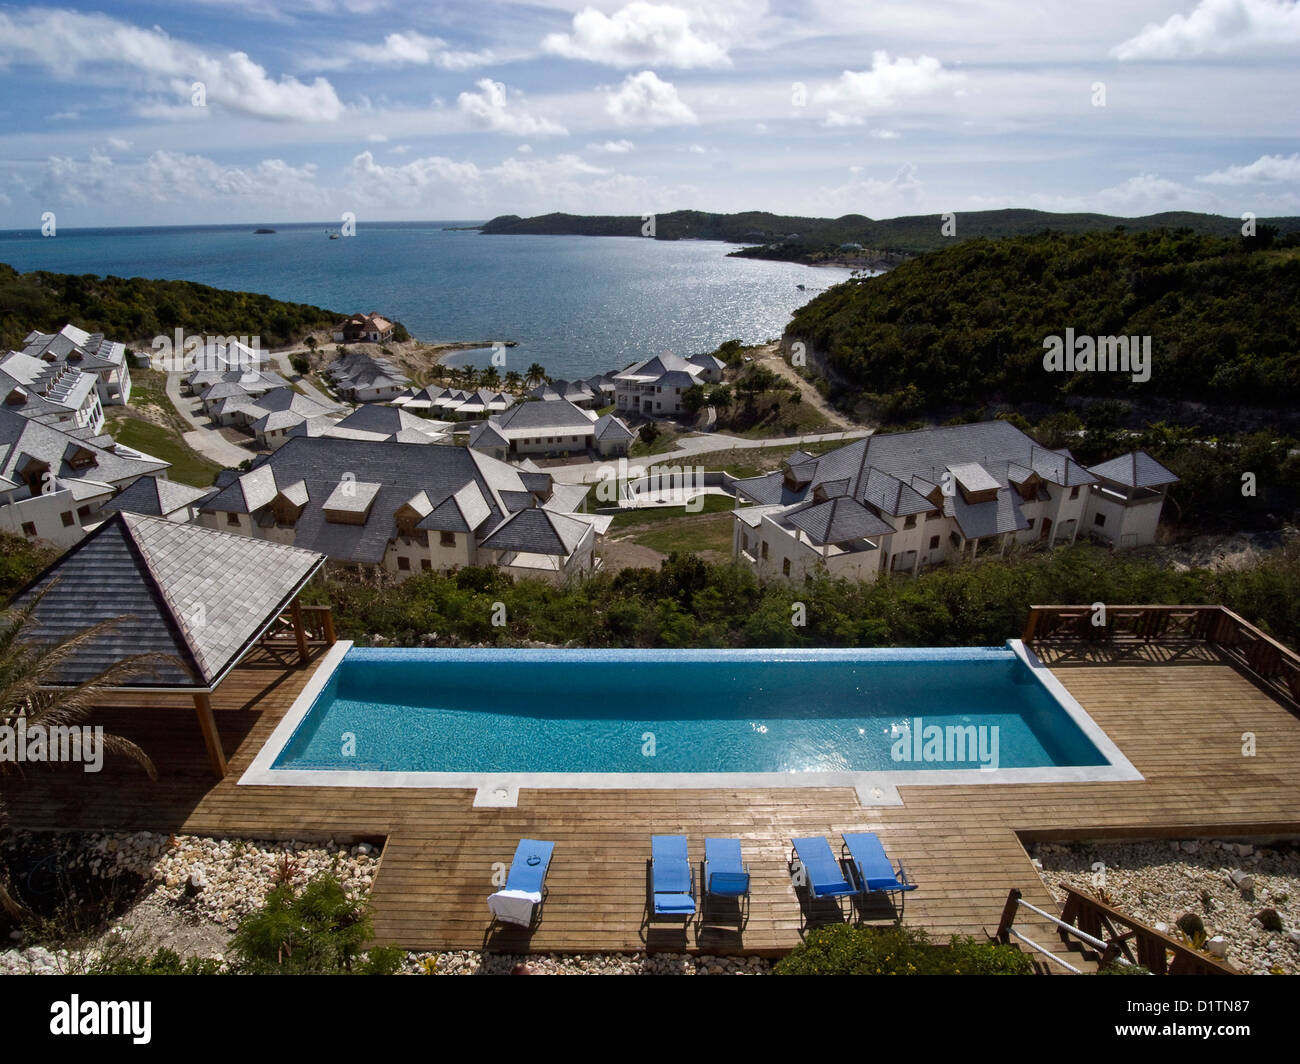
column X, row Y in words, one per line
column 577, row 305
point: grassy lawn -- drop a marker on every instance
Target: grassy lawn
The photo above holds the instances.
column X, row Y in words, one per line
column 188, row 466
column 653, row 515
column 753, row 461
column 665, row 441
column 149, row 393
column 689, row 534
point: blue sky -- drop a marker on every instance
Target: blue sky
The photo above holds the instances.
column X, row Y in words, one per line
column 398, row 110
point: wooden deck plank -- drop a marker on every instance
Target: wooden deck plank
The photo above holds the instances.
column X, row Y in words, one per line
column 1178, row 717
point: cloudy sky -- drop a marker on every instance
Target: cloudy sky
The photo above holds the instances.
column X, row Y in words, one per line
column 298, row 110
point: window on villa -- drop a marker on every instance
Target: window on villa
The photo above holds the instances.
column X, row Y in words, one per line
column 1031, row 522
column 403, row 563
column 934, row 515
column 1074, row 493
column 934, row 542
column 29, row 529
column 83, row 512
column 1099, row 520
column 66, row 518
column 785, row 567
column 909, row 521
column 232, row 518
column 447, row 539
column 764, row 552
column 425, row 564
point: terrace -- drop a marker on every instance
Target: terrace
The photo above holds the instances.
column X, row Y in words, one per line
column 1174, row 687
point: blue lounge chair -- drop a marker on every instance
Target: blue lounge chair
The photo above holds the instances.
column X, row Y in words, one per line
column 874, row 871
column 725, row 874
column 825, row 877
column 525, row 889
column 672, row 879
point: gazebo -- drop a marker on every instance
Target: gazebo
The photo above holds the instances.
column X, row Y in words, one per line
column 203, row 596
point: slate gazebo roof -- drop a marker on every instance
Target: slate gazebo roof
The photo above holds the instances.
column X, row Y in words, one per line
column 200, row 595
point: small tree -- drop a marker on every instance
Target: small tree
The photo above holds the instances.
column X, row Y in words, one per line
column 28, row 668
column 318, row 931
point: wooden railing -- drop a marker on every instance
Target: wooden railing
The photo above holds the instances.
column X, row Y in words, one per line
column 299, row 628
column 1274, row 665
column 1114, row 937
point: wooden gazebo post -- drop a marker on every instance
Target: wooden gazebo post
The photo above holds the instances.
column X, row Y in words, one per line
column 211, row 739
column 299, row 630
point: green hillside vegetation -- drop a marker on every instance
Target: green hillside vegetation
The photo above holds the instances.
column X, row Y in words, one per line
column 813, row 240
column 135, row 309
column 965, row 326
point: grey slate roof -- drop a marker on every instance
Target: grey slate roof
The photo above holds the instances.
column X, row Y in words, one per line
column 1135, row 470
column 839, row 520
column 193, row 592
column 554, row 415
column 91, row 351
column 402, row 471
column 22, row 439
column 154, row 496
column 538, row 531
column 609, row 427
column 893, row 473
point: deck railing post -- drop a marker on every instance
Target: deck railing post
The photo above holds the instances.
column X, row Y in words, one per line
column 1008, row 916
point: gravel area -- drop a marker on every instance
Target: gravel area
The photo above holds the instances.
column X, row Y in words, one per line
column 1227, row 885
column 469, row 962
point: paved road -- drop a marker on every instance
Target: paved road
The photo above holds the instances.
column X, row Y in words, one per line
column 589, row 472
column 203, row 437
column 286, row 370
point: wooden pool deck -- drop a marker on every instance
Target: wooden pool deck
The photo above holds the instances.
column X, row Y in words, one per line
column 1177, row 713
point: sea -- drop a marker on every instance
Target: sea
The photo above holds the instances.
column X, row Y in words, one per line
column 576, row 305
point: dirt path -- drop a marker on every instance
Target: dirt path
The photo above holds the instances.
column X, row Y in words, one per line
column 770, row 356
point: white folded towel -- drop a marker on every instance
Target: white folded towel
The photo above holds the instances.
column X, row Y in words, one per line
column 514, row 906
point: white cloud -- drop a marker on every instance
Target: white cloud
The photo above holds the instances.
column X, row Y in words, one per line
column 65, row 116
column 613, row 147
column 491, row 108
column 645, row 100
column 872, row 197
column 175, row 177
column 837, row 120
column 73, row 46
column 640, row 34
column 1139, row 195
column 376, row 138
column 118, row 144
column 889, row 81
column 408, row 49
column 1216, row 27
column 1267, row 169
column 885, row 134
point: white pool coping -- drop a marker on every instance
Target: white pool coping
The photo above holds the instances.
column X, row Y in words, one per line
column 501, row 790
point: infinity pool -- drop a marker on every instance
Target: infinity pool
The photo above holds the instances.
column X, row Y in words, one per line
column 766, row 712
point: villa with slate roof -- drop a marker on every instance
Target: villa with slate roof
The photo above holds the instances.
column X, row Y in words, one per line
column 407, row 508
column 53, row 483
column 550, row 427
column 156, row 497
column 363, row 378
column 897, row 502
column 655, row 387
column 57, row 393
column 91, row 353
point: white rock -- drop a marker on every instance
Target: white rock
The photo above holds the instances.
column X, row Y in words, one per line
column 1217, row 947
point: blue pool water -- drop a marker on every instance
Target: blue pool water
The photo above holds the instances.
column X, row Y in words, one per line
column 683, row 711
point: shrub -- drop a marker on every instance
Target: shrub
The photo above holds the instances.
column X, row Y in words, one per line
column 1115, row 968
column 898, row 950
column 1191, row 925
column 300, row 364
column 318, row 931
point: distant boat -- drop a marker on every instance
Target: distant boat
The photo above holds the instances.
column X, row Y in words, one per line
column 800, row 287
column 257, row 231
column 334, row 236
